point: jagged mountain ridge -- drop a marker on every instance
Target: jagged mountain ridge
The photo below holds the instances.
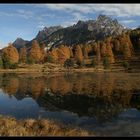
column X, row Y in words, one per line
column 82, row 32
column 43, row 34
column 20, row 42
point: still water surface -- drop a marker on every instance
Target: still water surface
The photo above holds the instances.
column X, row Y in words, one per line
column 107, row 103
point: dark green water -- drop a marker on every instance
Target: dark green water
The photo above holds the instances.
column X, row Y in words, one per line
column 107, row 103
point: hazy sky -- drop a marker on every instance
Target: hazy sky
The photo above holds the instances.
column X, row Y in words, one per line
column 25, row 20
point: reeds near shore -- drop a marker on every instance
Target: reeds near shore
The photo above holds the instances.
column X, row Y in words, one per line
column 42, row 127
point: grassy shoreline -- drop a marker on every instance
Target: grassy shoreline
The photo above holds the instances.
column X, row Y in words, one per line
column 54, row 68
column 38, row 127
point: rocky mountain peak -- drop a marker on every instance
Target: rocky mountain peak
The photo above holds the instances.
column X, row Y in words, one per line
column 115, row 21
column 19, row 40
column 80, row 22
column 46, row 32
column 51, row 29
column 105, row 20
column 81, row 32
column 103, row 17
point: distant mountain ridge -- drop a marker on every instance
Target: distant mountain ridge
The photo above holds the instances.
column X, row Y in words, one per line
column 82, row 32
column 20, row 42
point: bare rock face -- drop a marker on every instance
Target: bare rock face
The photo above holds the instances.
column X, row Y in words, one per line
column 10, row 53
column 43, row 34
column 19, row 42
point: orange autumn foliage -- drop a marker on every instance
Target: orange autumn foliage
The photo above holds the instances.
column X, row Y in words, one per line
column 23, row 55
column 35, row 53
column 10, row 53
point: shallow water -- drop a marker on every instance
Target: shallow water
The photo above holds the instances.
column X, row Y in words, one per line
column 107, row 103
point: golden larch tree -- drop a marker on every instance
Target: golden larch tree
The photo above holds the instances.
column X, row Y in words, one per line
column 35, row 52
column 23, row 55
column 10, row 54
column 78, row 53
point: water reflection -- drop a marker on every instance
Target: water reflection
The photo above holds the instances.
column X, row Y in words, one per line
column 99, row 95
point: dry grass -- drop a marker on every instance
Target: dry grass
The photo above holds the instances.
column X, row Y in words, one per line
column 30, row 127
column 46, row 68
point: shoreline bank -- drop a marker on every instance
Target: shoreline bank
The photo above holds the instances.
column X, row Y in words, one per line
column 58, row 70
column 38, row 127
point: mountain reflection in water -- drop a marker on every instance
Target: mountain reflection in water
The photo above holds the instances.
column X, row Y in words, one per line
column 98, row 96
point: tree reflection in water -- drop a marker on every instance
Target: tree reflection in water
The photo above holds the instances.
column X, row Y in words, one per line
column 100, row 95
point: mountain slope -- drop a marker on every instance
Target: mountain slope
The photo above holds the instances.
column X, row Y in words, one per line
column 46, row 32
column 19, row 42
column 82, row 32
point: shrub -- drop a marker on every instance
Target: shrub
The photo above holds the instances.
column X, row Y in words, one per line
column 69, row 63
column 14, row 66
column 8, row 65
column 49, row 59
column 93, row 63
column 80, row 63
column 125, row 64
column 106, row 63
column 30, row 60
column 1, row 63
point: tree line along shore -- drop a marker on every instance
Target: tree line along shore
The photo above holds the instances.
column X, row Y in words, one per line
column 98, row 55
